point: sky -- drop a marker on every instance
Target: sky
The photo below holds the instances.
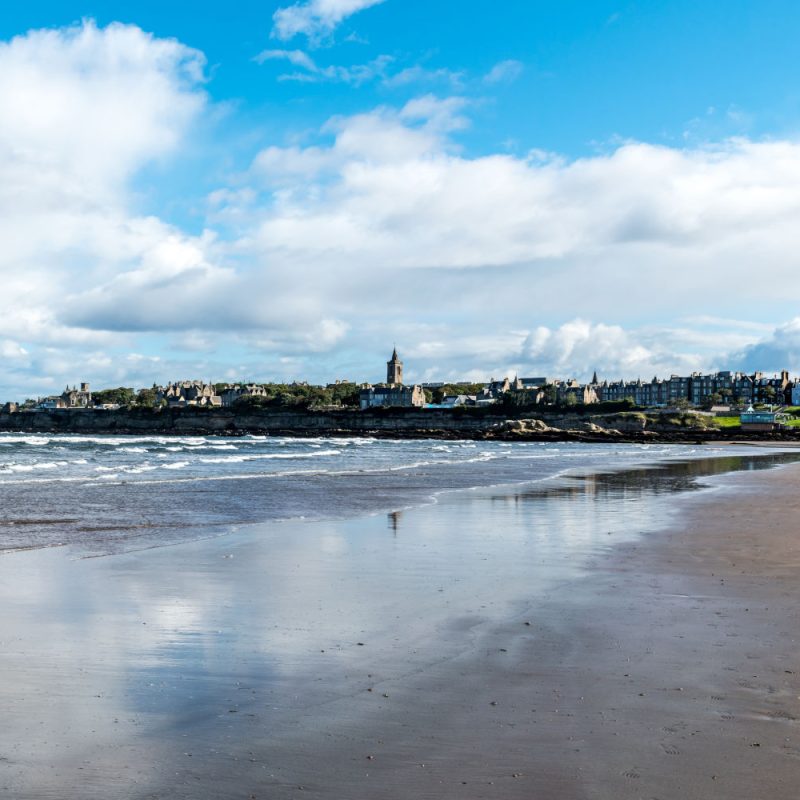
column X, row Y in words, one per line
column 269, row 191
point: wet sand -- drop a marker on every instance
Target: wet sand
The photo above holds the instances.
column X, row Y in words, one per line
column 612, row 637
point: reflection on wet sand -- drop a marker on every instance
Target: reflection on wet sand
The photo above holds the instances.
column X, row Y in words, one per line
column 654, row 480
column 394, row 518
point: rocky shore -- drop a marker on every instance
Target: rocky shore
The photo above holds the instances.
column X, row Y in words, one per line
column 628, row 426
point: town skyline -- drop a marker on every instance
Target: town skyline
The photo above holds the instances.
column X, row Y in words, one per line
column 696, row 389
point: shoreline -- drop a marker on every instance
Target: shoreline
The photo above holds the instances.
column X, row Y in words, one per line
column 404, row 667
column 508, row 425
column 94, row 543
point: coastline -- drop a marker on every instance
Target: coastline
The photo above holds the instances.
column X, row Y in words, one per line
column 587, row 425
column 660, row 665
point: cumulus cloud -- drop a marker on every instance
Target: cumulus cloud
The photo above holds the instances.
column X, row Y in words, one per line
column 580, row 347
column 377, row 228
column 316, row 19
column 393, row 189
column 385, row 204
column 92, row 105
column 780, row 350
column 84, row 109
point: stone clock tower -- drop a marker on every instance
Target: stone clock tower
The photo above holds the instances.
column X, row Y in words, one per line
column 394, row 370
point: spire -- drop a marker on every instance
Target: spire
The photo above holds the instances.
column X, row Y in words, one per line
column 594, row 378
column 394, row 369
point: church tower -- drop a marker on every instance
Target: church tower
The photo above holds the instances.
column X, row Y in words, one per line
column 394, row 369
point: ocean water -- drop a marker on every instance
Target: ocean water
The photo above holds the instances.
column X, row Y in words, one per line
column 105, row 494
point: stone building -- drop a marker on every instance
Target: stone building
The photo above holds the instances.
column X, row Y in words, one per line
column 242, row 391
column 698, row 389
column 398, row 396
column 394, row 370
column 392, row 393
column 76, row 398
column 188, row 393
column 69, row 398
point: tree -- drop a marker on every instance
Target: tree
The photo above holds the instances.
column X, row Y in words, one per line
column 121, row 396
column 345, row 394
column 518, row 399
column 455, row 388
column 146, row 398
column 712, row 400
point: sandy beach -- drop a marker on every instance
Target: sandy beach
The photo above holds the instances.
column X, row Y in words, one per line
column 617, row 636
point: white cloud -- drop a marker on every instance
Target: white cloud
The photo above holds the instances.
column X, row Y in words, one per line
column 316, row 19
column 504, row 72
column 780, row 350
column 385, row 207
column 311, row 72
column 580, row 347
column 93, row 105
column 297, row 58
column 12, row 350
column 84, row 110
column 378, row 228
column 392, row 189
column 421, row 75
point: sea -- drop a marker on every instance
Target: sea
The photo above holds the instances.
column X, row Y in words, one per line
column 107, row 494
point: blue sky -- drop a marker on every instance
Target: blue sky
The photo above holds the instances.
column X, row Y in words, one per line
column 274, row 191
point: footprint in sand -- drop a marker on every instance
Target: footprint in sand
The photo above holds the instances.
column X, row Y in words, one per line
column 670, row 750
column 632, row 774
column 781, row 714
column 727, row 716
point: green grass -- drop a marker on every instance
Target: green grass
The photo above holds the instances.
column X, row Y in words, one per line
column 727, row 422
column 793, row 423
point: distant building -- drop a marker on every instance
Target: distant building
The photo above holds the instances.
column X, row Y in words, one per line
column 492, row 392
column 188, row 393
column 76, row 398
column 572, row 391
column 752, row 420
column 69, row 398
column 394, row 370
column 399, row 396
column 698, row 389
column 393, row 393
column 454, row 401
column 531, row 384
column 241, row 391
